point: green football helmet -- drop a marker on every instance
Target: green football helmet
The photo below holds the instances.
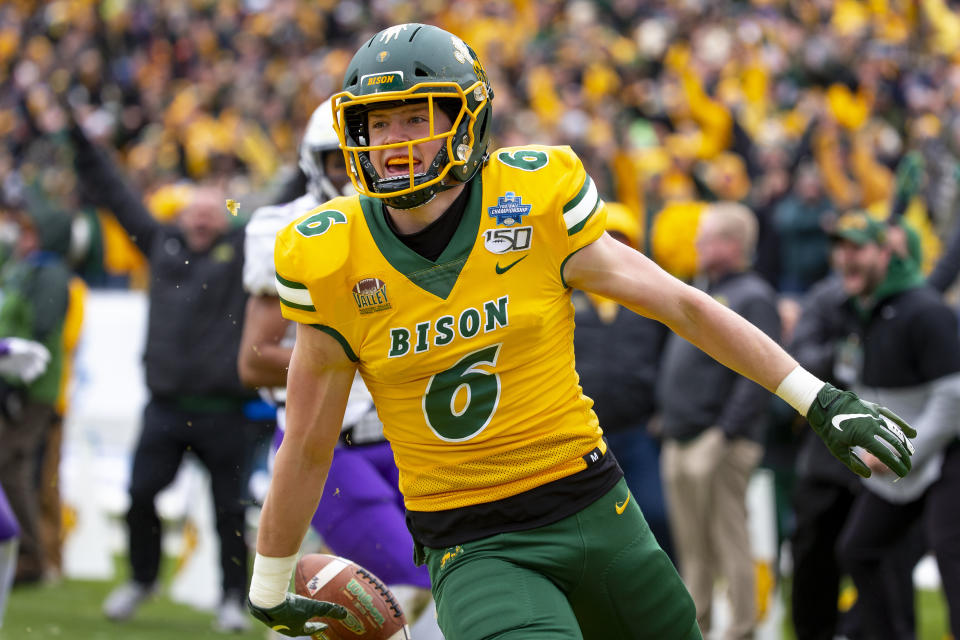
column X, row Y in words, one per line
column 415, row 62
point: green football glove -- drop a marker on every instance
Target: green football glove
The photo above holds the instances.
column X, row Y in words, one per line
column 842, row 420
column 291, row 616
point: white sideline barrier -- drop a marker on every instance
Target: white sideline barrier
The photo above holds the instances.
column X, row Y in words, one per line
column 100, row 432
column 196, row 581
column 101, row 427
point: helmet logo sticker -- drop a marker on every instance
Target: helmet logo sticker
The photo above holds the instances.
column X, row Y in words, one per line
column 370, row 294
column 386, row 81
column 383, row 55
column 392, row 33
column 509, row 209
column 460, row 50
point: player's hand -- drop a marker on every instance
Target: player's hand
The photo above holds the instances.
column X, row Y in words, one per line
column 845, row 421
column 23, row 359
column 291, row 616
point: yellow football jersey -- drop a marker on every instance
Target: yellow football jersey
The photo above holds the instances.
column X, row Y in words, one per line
column 470, row 358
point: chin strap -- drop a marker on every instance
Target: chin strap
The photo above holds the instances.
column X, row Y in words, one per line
column 404, row 201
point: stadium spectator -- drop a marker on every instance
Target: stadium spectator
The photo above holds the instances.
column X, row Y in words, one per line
column 508, row 484
column 827, row 344
column 908, row 357
column 177, row 86
column 34, row 282
column 195, row 318
column 801, row 220
column 713, row 423
column 618, row 357
column 363, row 518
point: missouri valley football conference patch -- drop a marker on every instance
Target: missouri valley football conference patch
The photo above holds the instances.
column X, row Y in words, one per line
column 370, row 294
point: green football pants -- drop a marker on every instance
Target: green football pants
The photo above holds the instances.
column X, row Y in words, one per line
column 596, row 575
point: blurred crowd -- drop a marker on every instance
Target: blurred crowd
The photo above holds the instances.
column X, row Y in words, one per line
column 800, row 110
column 787, row 106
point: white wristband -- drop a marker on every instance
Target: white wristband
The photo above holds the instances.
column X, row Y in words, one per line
column 799, row 389
column 270, row 580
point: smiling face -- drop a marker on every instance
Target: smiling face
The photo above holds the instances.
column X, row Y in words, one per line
column 403, row 124
column 862, row 267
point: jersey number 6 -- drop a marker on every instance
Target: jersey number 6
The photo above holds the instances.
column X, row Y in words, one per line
column 460, row 402
column 320, row 222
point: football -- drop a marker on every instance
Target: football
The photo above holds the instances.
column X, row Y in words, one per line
column 373, row 611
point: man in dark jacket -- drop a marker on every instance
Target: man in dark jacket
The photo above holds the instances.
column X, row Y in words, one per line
column 196, row 399
column 908, row 358
column 713, row 422
column 825, row 341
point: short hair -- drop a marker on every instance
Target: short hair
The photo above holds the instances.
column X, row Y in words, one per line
column 737, row 222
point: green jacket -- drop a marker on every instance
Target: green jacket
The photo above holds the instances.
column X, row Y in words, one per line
column 33, row 304
column 34, row 293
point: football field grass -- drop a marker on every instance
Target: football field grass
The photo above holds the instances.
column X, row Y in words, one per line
column 70, row 610
column 931, row 612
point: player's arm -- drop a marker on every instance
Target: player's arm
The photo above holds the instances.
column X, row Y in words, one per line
column 318, row 385
column 263, row 361
column 613, row 270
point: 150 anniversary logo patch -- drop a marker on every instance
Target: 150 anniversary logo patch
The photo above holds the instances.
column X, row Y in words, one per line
column 501, row 241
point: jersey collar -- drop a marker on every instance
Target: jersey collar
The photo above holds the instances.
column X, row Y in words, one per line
column 437, row 277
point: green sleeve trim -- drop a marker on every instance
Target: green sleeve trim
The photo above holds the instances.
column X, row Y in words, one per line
column 290, row 283
column 294, row 305
column 336, row 335
column 564, row 263
column 580, row 225
column 294, row 294
column 580, row 195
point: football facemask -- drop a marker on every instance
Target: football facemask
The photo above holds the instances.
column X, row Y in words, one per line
column 416, row 187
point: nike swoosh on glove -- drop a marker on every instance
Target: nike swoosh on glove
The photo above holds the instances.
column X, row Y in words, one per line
column 843, row 421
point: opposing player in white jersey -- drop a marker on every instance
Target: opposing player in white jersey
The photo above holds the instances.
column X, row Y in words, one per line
column 361, row 517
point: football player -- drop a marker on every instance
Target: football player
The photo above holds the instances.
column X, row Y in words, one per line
column 362, row 519
column 446, row 283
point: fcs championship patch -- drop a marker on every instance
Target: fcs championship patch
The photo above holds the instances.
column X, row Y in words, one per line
column 370, row 294
column 509, row 209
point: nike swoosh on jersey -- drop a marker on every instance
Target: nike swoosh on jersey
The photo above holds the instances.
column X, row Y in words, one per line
column 502, row 270
column 840, row 418
column 622, row 507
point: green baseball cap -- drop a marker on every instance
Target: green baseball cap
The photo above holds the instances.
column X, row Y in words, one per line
column 860, row 228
